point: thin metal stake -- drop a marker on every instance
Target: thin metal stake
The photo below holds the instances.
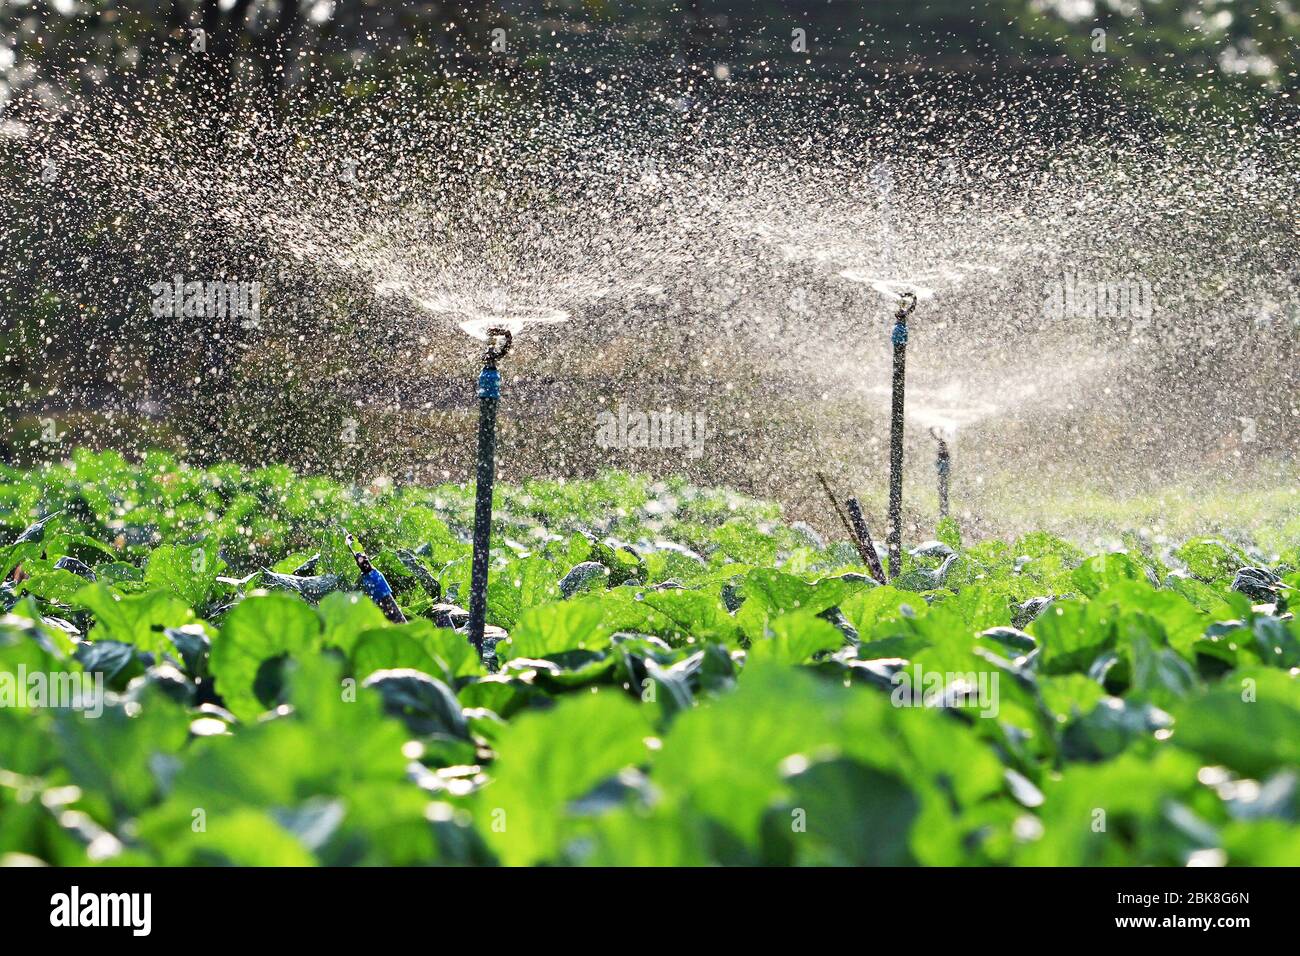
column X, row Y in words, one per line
column 866, row 547
column 857, row 530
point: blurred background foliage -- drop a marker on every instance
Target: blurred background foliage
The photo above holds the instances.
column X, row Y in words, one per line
column 269, row 47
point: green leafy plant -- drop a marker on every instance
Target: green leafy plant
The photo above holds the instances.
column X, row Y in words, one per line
column 720, row 692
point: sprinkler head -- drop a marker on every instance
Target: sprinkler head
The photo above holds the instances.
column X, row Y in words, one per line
column 941, row 453
column 499, row 340
column 362, row 559
column 906, row 307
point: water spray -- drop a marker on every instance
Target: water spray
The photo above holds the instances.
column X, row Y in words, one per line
column 489, row 393
column 894, row 541
column 942, row 465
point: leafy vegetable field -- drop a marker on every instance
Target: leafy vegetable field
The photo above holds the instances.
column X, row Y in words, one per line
column 679, row 677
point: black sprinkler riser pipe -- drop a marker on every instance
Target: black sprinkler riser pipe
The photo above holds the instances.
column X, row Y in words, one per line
column 943, row 465
column 484, row 481
column 489, row 394
column 894, row 541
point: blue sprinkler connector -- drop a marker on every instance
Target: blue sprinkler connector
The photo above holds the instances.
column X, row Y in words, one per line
column 899, row 336
column 489, row 383
column 375, row 585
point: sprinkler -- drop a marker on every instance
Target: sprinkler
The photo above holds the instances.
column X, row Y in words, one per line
column 894, row 541
column 489, row 393
column 375, row 585
column 942, row 465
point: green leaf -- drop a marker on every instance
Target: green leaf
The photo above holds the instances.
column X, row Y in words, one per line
column 346, row 617
column 1211, row 560
column 554, row 628
column 721, row 759
column 1070, row 695
column 393, row 647
column 85, row 541
column 438, row 651
column 290, row 767
column 138, row 619
column 1072, row 634
column 426, row 704
column 112, row 756
column 1157, row 673
column 794, row 638
column 457, row 654
column 870, row 611
column 522, row 584
column 1108, row 813
column 949, row 532
column 189, row 572
column 546, row 760
column 1040, row 544
column 684, row 617
column 850, row 814
column 54, row 584
column 634, row 837
column 1249, row 722
column 771, row 593
column 258, row 629
column 241, row 837
column 740, row 541
column 982, row 606
column 1275, row 642
column 1261, row 843
column 15, row 554
column 1104, row 570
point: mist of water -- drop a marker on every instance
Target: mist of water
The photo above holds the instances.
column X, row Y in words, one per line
column 1097, row 311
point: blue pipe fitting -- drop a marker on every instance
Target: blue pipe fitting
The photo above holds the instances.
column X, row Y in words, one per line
column 375, row 585
column 489, row 383
column 900, row 334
